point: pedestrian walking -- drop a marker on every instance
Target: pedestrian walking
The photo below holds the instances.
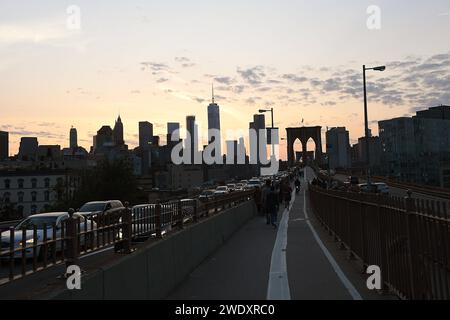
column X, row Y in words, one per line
column 272, row 203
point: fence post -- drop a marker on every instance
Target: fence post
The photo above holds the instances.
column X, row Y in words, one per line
column 72, row 240
column 382, row 248
column 158, row 220
column 127, row 228
column 195, row 213
column 410, row 215
column 180, row 214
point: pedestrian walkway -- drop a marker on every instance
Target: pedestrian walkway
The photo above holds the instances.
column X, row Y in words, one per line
column 294, row 262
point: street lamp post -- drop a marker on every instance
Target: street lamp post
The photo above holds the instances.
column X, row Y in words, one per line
column 366, row 121
column 271, row 113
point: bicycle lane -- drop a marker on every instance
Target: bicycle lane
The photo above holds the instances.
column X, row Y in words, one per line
column 313, row 272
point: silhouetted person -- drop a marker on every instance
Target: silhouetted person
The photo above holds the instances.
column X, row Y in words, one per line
column 264, row 193
column 272, row 204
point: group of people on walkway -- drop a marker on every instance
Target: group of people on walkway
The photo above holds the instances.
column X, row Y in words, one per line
column 271, row 196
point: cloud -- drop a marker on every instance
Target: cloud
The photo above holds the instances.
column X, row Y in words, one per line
column 253, row 76
column 35, row 32
column 182, row 59
column 154, row 66
column 224, row 80
column 294, row 78
column 161, row 80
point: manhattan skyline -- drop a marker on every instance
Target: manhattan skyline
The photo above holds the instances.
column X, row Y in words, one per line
column 155, row 62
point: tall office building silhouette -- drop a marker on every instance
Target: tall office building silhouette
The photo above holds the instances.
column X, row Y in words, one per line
column 118, row 132
column 191, row 140
column 145, row 134
column 4, row 145
column 73, row 137
column 214, row 121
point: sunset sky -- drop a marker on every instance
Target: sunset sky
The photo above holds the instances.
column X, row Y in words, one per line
column 156, row 60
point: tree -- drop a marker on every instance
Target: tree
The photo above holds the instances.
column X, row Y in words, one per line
column 110, row 180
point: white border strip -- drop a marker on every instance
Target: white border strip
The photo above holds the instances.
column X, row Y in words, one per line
column 347, row 284
column 278, row 286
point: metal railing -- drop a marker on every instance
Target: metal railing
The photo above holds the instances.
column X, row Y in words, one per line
column 409, row 239
column 27, row 250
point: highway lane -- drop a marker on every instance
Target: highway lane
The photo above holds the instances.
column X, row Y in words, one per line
column 395, row 191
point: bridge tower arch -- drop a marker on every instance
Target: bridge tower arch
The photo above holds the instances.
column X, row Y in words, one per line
column 304, row 134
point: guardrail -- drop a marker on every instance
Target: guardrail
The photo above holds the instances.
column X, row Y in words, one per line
column 4, row 225
column 409, row 239
column 33, row 248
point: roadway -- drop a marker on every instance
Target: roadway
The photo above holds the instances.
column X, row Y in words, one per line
column 395, row 191
column 294, row 262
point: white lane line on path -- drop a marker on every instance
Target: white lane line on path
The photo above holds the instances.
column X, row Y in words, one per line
column 278, row 286
column 347, row 284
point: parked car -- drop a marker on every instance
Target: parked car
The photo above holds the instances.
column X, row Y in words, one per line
column 39, row 220
column 95, row 208
column 231, row 187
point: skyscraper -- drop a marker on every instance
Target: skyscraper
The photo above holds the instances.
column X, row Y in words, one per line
column 191, row 140
column 259, row 123
column 171, row 136
column 338, row 148
column 118, row 132
column 4, row 145
column 145, row 134
column 28, row 148
column 213, row 120
column 104, row 138
column 73, row 138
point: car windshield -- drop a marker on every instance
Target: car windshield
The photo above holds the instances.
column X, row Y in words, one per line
column 222, row 188
column 38, row 222
column 207, row 193
column 91, row 207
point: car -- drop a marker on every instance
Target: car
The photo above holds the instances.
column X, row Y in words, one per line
column 231, row 187
column 206, row 195
column 382, row 188
column 222, row 190
column 95, row 208
column 239, row 186
column 40, row 220
column 364, row 187
column 253, row 183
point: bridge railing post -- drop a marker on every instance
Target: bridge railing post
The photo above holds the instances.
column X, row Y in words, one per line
column 158, row 220
column 180, row 214
column 410, row 232
column 195, row 213
column 127, row 228
column 72, row 257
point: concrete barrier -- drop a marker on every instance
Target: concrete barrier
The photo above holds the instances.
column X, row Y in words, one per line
column 154, row 270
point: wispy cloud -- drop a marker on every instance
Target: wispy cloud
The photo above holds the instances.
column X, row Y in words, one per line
column 35, row 32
